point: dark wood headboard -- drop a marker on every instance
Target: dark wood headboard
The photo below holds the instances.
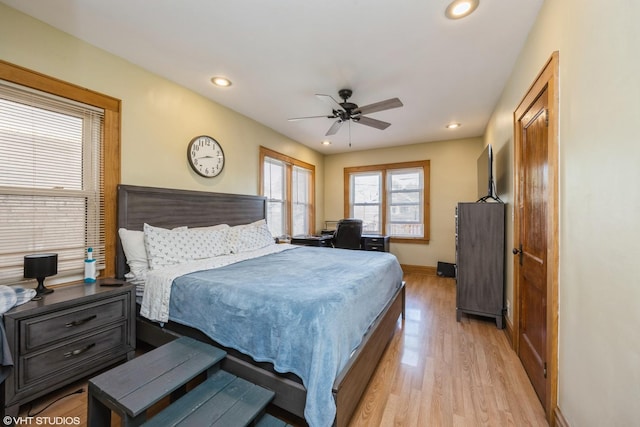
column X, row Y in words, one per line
column 169, row 208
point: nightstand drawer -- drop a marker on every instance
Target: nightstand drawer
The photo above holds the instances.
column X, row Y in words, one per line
column 72, row 356
column 44, row 330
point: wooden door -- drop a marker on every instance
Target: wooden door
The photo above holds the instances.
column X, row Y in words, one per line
column 536, row 235
column 532, row 249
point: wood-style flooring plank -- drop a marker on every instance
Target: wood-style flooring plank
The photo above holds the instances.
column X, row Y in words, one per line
column 463, row 373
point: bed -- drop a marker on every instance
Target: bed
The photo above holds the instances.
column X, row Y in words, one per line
column 170, row 208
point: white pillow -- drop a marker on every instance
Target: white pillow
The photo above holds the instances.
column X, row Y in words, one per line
column 173, row 247
column 248, row 237
column 136, row 252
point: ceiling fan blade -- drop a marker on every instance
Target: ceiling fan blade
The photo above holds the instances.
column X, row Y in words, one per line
column 379, row 106
column 334, row 128
column 368, row 121
column 293, row 119
column 330, row 100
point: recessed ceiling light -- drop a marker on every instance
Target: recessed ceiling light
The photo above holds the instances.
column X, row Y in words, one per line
column 453, row 125
column 326, row 142
column 461, row 8
column 221, row 81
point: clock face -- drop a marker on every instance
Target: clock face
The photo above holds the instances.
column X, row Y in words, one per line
column 205, row 156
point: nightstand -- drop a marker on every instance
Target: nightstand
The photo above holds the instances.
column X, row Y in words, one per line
column 375, row 242
column 67, row 335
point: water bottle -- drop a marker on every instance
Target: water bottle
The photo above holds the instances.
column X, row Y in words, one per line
column 89, row 267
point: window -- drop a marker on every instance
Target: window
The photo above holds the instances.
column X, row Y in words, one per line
column 55, row 193
column 366, row 188
column 288, row 185
column 275, row 190
column 300, row 201
column 390, row 199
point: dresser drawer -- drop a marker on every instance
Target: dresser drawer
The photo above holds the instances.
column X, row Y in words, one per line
column 71, row 358
column 43, row 330
column 374, row 247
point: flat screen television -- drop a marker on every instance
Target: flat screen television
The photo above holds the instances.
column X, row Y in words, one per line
column 486, row 183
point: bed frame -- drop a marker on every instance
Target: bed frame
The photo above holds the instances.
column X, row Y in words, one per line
column 172, row 208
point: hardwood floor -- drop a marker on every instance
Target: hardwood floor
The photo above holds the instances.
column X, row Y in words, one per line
column 435, row 372
column 438, row 372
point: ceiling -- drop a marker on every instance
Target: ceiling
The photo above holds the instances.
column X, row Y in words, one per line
column 280, row 53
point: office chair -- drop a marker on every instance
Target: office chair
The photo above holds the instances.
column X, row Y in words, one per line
column 348, row 234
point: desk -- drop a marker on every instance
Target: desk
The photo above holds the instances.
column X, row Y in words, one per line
column 309, row 240
column 368, row 242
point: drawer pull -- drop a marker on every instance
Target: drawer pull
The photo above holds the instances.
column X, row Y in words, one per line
column 80, row 322
column 78, row 351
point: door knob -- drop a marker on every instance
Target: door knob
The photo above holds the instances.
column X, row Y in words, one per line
column 518, row 251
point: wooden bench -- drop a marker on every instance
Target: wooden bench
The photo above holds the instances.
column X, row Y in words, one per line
column 222, row 399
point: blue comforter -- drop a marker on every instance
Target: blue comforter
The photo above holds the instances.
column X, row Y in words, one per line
column 304, row 310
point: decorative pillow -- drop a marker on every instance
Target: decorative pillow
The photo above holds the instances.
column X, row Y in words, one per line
column 136, row 252
column 248, row 237
column 173, row 247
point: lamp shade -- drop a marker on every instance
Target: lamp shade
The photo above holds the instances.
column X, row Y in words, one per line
column 40, row 265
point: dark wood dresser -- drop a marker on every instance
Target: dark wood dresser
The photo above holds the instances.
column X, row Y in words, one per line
column 480, row 240
column 67, row 335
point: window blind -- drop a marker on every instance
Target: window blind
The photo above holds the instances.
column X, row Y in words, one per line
column 51, row 181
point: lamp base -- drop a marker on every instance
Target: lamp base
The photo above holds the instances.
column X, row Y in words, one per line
column 41, row 290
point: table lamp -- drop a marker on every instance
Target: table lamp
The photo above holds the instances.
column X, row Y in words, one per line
column 39, row 266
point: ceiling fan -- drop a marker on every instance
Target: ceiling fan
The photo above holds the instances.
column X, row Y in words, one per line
column 345, row 111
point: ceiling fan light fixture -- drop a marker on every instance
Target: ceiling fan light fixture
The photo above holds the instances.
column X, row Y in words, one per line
column 461, row 8
column 453, row 125
column 221, row 81
column 325, row 142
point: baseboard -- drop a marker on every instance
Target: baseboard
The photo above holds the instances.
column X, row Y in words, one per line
column 508, row 330
column 558, row 419
column 418, row 269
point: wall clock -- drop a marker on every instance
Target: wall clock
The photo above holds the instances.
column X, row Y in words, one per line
column 205, row 156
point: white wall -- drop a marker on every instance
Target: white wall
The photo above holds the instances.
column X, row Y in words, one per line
column 599, row 282
column 453, row 179
column 159, row 118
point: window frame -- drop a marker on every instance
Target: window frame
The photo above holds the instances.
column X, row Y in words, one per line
column 289, row 163
column 111, row 140
column 383, row 169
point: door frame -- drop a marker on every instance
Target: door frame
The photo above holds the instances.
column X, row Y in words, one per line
column 547, row 78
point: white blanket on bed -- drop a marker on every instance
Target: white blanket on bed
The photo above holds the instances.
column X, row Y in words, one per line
column 157, row 290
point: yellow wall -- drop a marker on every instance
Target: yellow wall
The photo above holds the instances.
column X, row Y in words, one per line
column 159, row 118
column 599, row 280
column 453, row 179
